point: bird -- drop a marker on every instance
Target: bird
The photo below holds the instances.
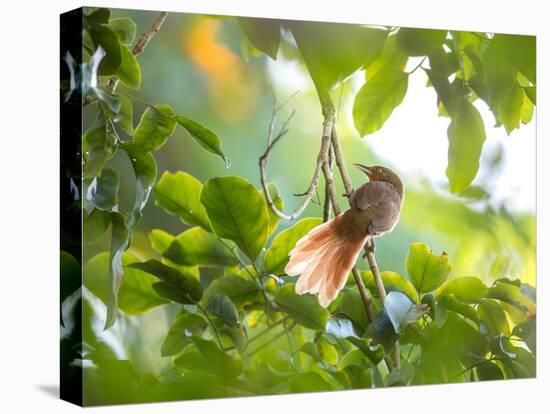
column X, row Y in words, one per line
column 324, row 257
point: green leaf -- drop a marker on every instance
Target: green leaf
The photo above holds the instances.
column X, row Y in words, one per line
column 241, row 291
column 419, row 42
column 97, row 17
column 377, row 99
column 104, row 37
column 129, row 72
column 452, row 304
column 446, row 94
column 177, row 286
column 204, row 137
column 341, row 328
column 71, row 276
column 493, row 317
column 466, row 135
column 145, row 170
column 308, row 382
column 402, row 311
column 264, row 34
column 382, row 331
column 179, row 193
column 196, row 246
column 513, row 295
column 466, row 289
column 185, row 325
column 489, row 371
column 218, row 361
column 303, row 309
column 401, row 376
column 444, row 62
column 224, row 309
column 120, row 236
column 351, row 307
column 102, row 191
column 333, row 51
column 524, row 54
column 531, row 92
column 510, row 107
column 500, row 69
column 96, row 225
column 527, row 330
column 155, row 127
column 126, row 115
column 125, row 28
column 237, row 211
column 276, row 256
column 99, row 146
column 160, row 240
column 427, row 271
column 389, row 59
column 392, row 282
column 278, row 202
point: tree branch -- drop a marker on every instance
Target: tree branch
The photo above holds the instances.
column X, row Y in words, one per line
column 369, row 249
column 141, row 44
column 271, row 141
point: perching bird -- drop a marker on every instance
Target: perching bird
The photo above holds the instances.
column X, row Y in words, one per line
column 324, row 257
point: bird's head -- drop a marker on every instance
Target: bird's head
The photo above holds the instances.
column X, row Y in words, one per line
column 379, row 173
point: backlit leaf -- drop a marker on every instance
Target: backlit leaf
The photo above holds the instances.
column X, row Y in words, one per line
column 129, row 71
column 419, row 42
column 427, row 271
column 155, row 127
column 264, row 34
column 303, row 309
column 204, row 137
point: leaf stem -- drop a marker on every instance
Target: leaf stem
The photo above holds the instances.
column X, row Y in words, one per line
column 211, row 322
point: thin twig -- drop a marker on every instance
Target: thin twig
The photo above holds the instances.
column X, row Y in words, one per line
column 328, row 204
column 283, row 332
column 211, row 322
column 271, row 141
column 141, row 44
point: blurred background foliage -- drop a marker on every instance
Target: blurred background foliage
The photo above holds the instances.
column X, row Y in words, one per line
column 205, row 68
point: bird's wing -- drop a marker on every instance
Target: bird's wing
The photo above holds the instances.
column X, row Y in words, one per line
column 372, row 193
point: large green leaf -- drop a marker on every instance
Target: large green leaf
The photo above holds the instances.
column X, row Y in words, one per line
column 145, row 170
column 466, row 289
column 392, row 282
column 185, row 325
column 264, row 34
column 241, row 291
column 106, row 38
column 303, row 309
column 427, row 271
column 99, row 145
column 237, row 211
column 390, row 58
column 489, row 371
column 309, row 382
column 102, row 191
column 160, row 240
column 512, row 294
column 155, row 127
column 377, row 99
column 205, row 138
column 224, row 309
column 510, row 108
column 129, row 71
column 402, row 311
column 179, row 193
column 125, row 28
column 351, row 307
column 136, row 294
column 120, row 240
column 493, row 317
column 499, row 67
column 126, row 115
column 175, row 285
column 419, row 42
column 333, row 51
column 466, row 135
column 276, row 256
column 96, row 224
column 218, row 361
column 196, row 246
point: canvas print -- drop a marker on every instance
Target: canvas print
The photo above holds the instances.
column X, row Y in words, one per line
column 255, row 206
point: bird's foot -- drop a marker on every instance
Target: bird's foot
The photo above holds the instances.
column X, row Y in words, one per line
column 371, row 245
column 349, row 195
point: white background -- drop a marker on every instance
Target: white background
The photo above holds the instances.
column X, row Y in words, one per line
column 29, row 140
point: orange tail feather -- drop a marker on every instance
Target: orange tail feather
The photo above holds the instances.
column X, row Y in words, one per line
column 324, row 257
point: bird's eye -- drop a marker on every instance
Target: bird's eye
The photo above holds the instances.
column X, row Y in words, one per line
column 379, row 170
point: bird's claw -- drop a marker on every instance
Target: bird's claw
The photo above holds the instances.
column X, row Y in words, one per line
column 371, row 246
column 349, row 195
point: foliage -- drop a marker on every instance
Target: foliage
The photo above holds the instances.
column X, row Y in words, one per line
column 237, row 327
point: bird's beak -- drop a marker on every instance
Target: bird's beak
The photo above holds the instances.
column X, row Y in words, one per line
column 365, row 169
